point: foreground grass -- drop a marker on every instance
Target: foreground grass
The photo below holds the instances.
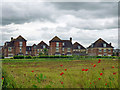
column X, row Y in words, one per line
column 45, row 73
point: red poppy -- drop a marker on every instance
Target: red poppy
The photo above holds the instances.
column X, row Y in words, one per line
column 113, row 67
column 61, row 65
column 61, row 82
column 91, row 63
column 61, row 73
column 2, row 78
column 114, row 73
column 106, row 84
column 98, row 61
column 90, row 83
column 32, row 71
column 99, row 78
column 86, row 69
column 94, row 65
column 101, row 74
column 65, row 69
column 82, row 69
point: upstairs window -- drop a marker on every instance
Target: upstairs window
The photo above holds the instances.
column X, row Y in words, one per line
column 43, row 46
column 63, row 44
column 9, row 48
column 34, row 47
column 104, row 45
column 20, row 43
column 78, row 47
column 57, row 44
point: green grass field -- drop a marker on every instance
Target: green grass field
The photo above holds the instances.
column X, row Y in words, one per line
column 45, row 73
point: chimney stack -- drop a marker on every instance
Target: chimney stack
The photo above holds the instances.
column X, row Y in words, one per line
column 70, row 39
column 11, row 38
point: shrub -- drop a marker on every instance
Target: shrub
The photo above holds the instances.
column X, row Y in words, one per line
column 28, row 57
column 18, row 57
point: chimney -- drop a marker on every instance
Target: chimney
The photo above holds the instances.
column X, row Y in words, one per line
column 70, row 39
column 11, row 38
column 110, row 44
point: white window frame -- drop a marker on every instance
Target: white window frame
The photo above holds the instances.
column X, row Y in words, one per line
column 44, row 46
column 63, row 49
column 109, row 50
column 26, row 52
column 104, row 50
column 20, row 43
column 20, row 49
column 57, row 44
column 104, row 45
column 68, row 49
column 79, row 47
column 9, row 49
column 57, row 49
column 63, row 44
column 100, row 50
column 38, row 50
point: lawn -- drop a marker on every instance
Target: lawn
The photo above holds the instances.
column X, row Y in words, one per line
column 47, row 73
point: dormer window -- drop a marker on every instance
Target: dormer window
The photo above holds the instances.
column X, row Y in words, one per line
column 20, row 43
column 104, row 45
column 78, row 47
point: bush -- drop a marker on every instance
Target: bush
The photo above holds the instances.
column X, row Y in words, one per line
column 28, row 57
column 18, row 57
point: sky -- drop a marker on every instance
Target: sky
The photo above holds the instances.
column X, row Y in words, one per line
column 85, row 22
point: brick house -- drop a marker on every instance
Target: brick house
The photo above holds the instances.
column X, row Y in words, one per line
column 78, row 49
column 60, row 47
column 41, row 48
column 100, row 48
column 28, row 50
column 15, row 47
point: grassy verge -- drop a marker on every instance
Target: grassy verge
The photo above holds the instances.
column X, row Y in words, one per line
column 45, row 73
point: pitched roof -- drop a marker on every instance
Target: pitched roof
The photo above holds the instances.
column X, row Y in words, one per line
column 67, row 43
column 99, row 43
column 76, row 44
column 40, row 45
column 55, row 39
column 28, row 48
column 19, row 38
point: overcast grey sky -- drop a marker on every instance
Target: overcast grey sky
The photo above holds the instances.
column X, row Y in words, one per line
column 85, row 22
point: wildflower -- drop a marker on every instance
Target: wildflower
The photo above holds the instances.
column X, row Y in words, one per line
column 82, row 69
column 106, row 84
column 90, row 83
column 113, row 67
column 61, row 82
column 99, row 78
column 91, row 63
column 61, row 73
column 2, row 78
column 61, row 65
column 114, row 73
column 86, row 69
column 94, row 65
column 32, row 71
column 65, row 69
column 99, row 59
column 94, row 82
column 101, row 74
